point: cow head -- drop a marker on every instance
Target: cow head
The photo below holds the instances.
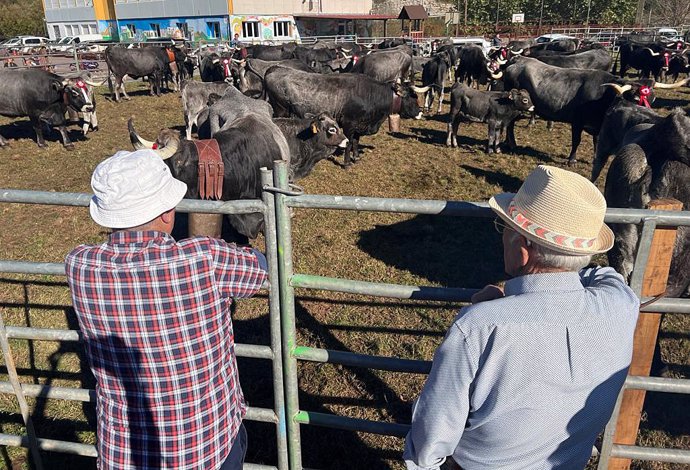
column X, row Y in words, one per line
column 493, row 67
column 409, row 102
column 521, row 100
column 77, row 95
column 327, row 131
column 642, row 92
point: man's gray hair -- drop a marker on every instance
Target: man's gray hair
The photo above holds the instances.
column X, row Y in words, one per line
column 548, row 258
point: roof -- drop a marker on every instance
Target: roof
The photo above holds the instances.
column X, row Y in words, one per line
column 343, row 16
column 413, row 12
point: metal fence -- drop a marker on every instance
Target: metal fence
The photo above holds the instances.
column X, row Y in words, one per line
column 277, row 203
column 272, row 353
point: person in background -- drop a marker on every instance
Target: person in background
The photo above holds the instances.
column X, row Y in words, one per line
column 496, row 41
column 528, row 375
column 154, row 314
column 235, row 43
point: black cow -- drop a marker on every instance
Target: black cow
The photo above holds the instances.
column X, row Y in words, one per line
column 653, row 164
column 596, row 58
column 434, row 76
column 390, row 43
column 679, row 63
column 385, row 66
column 260, row 51
column 499, row 109
column 42, row 96
column 246, row 146
column 575, row 96
column 251, row 73
column 137, row 63
column 359, row 103
column 649, row 59
column 216, row 68
column 474, row 66
column 619, row 119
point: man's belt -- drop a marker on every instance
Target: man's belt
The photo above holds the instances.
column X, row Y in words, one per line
column 211, row 169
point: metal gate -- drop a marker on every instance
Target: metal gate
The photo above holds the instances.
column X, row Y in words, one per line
column 277, row 202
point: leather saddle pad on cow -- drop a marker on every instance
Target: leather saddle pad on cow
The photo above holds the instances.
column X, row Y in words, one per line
column 211, row 169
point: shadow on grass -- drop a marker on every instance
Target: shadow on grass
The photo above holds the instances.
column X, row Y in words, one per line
column 670, row 103
column 510, row 184
column 450, row 251
column 24, row 130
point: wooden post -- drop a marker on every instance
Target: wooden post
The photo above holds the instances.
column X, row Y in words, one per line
column 647, row 330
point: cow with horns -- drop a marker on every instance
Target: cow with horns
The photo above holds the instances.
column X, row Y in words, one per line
column 575, row 96
column 44, row 97
column 151, row 62
column 248, row 144
column 358, row 103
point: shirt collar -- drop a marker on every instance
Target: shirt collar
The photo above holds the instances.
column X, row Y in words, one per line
column 132, row 237
column 565, row 281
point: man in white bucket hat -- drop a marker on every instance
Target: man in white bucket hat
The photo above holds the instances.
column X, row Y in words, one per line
column 155, row 318
column 528, row 375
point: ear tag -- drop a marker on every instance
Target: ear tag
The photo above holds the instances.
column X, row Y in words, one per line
column 314, row 129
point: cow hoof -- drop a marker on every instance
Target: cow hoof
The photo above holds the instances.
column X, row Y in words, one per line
column 69, row 147
column 498, row 150
column 489, row 151
column 43, row 146
column 571, row 162
column 347, row 166
column 127, row 98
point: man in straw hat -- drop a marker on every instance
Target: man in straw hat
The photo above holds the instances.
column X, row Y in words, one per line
column 155, row 318
column 528, row 375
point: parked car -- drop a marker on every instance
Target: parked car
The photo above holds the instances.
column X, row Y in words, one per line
column 476, row 40
column 552, row 37
column 25, row 44
column 671, row 34
column 67, row 43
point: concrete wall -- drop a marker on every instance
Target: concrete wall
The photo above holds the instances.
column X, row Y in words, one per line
column 170, row 8
column 288, row 7
column 70, row 15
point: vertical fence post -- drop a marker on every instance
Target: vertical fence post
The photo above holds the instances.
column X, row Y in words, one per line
column 653, row 283
column 287, row 313
column 76, row 58
column 17, row 386
column 274, row 315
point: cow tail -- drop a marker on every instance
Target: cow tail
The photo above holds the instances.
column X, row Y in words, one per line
column 615, row 62
column 110, row 83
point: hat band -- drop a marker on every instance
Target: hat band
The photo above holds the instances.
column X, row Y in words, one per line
column 545, row 234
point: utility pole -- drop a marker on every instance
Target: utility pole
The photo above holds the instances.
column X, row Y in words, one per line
column 589, row 6
column 639, row 17
column 541, row 15
column 498, row 7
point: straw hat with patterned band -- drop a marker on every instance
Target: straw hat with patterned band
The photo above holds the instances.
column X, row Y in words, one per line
column 557, row 209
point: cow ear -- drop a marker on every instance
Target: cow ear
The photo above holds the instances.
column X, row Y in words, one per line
column 314, row 127
column 309, row 115
column 514, row 94
column 59, row 86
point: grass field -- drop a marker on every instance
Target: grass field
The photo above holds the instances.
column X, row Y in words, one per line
column 419, row 250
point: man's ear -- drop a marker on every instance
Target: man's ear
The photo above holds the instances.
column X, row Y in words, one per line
column 168, row 216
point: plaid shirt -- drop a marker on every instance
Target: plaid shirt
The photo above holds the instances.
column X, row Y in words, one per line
column 155, row 317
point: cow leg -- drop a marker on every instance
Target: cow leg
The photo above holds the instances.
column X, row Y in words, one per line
column 440, row 99
column 576, row 130
column 38, row 127
column 118, row 84
column 549, row 125
column 510, row 136
column 123, row 89
column 3, row 142
column 427, row 100
column 532, row 118
column 188, row 124
column 355, row 150
column 65, row 138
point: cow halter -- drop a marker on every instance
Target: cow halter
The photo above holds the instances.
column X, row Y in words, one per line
column 666, row 56
column 645, row 91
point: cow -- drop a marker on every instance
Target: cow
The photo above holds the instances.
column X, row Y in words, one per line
column 214, row 68
column 649, row 59
column 678, row 64
column 622, row 116
column 560, row 45
column 357, row 102
column 499, row 109
column 136, row 63
column 233, row 105
column 575, row 96
column 250, row 143
column 44, row 98
column 598, row 59
column 474, row 66
column 195, row 98
column 434, row 76
column 385, row 66
column 89, row 118
column 653, row 163
column 251, row 72
column 317, row 58
column 260, row 51
column 392, row 42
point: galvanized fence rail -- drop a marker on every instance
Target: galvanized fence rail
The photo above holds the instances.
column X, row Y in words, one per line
column 276, row 204
column 292, row 352
column 273, row 352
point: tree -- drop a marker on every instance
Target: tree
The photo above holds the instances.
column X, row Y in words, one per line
column 21, row 17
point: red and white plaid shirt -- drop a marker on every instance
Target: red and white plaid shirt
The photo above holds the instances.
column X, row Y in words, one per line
column 155, row 317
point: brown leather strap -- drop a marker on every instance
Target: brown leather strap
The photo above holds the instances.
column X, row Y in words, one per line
column 211, row 169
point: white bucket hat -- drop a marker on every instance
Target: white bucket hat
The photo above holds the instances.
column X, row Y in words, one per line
column 132, row 188
column 558, row 209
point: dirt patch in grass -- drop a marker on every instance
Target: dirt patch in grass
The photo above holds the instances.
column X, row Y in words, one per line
column 404, row 249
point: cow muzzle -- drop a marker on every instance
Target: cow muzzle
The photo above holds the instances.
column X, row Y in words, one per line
column 344, row 143
column 87, row 108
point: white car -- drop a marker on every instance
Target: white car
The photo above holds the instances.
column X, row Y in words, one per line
column 476, row 40
column 552, row 37
column 25, row 44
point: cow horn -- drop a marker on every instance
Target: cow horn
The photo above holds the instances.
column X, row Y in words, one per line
column 345, row 50
column 496, row 76
column 501, row 61
column 619, row 89
column 91, row 83
column 517, row 52
column 670, row 86
column 654, row 54
column 137, row 141
column 423, row 89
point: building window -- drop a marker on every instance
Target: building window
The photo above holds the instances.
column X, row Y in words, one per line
column 56, row 31
column 93, row 29
column 213, row 28
column 281, row 28
column 132, row 29
column 250, row 29
column 156, row 28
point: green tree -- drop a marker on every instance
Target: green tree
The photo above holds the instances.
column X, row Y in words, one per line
column 21, row 17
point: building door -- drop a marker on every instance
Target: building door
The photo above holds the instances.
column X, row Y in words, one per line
column 56, row 31
column 213, row 29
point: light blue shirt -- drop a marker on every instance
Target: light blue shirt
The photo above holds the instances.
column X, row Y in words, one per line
column 529, row 380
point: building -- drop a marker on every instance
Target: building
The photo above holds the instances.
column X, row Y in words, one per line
column 251, row 20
